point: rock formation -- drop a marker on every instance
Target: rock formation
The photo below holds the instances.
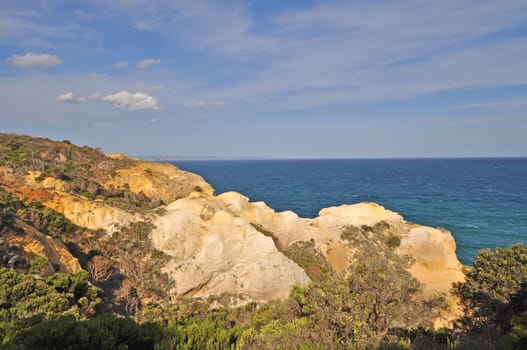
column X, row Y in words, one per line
column 41, row 245
column 215, row 252
column 225, row 245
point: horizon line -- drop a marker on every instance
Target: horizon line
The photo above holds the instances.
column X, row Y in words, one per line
column 265, row 158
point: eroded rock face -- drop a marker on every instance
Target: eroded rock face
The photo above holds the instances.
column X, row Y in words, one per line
column 436, row 264
column 215, row 252
column 41, row 245
column 359, row 214
column 160, row 181
column 228, row 245
column 90, row 214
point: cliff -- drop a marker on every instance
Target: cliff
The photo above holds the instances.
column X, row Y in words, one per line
column 201, row 245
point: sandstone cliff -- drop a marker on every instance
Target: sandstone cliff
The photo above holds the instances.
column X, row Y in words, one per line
column 216, row 246
column 215, row 252
column 209, row 238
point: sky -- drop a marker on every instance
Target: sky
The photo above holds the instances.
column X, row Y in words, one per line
column 268, row 78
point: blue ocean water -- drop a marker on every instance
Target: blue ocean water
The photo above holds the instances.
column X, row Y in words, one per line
column 483, row 202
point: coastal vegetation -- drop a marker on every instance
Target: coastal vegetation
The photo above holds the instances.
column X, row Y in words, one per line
column 361, row 311
column 63, row 286
column 81, row 170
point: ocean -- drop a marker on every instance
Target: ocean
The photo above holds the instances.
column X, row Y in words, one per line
column 482, row 201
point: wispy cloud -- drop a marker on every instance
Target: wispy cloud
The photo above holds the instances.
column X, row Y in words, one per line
column 23, row 29
column 346, row 52
column 200, row 24
column 86, row 16
column 338, row 52
column 148, row 62
column 118, row 65
column 34, row 60
column 202, row 104
column 122, row 99
column 352, row 60
column 140, row 85
column 509, row 102
column 28, row 29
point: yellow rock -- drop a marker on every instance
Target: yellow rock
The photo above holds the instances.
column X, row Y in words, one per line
column 215, row 252
column 160, row 181
column 436, row 264
column 49, row 183
column 433, row 250
column 35, row 242
column 91, row 214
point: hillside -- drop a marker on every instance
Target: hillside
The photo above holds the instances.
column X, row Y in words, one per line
column 153, row 238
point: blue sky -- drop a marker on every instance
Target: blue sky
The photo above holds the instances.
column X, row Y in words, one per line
column 277, row 79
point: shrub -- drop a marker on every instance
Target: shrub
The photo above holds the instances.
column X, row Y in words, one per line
column 489, row 286
column 106, row 332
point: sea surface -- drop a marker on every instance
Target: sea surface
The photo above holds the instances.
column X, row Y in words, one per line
column 483, row 202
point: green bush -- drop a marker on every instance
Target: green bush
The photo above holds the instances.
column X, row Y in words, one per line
column 31, row 297
column 208, row 334
column 106, row 332
column 489, row 286
column 518, row 333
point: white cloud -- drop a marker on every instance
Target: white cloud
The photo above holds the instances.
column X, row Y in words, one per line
column 120, row 65
column 334, row 52
column 68, row 97
column 34, row 60
column 154, row 120
column 123, row 99
column 202, row 104
column 147, row 63
column 132, row 101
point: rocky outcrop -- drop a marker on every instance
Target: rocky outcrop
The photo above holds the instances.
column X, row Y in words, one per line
column 229, row 244
column 204, row 249
column 218, row 246
column 434, row 251
column 160, row 181
column 38, row 244
column 91, row 214
column 83, row 212
column 436, row 265
column 217, row 253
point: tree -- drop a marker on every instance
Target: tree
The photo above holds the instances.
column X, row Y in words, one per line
column 495, row 279
column 518, row 334
column 100, row 268
column 357, row 310
column 127, row 298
